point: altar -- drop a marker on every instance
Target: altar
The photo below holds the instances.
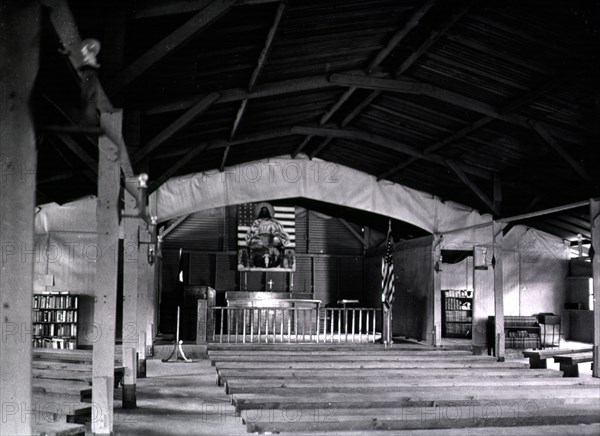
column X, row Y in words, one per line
column 292, row 313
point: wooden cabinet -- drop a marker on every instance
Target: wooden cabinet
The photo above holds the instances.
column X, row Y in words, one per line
column 55, row 319
column 457, row 314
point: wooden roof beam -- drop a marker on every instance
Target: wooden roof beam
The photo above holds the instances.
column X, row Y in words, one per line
column 377, row 60
column 472, row 186
column 262, row 59
column 183, row 120
column 173, row 7
column 175, row 39
column 388, row 143
column 64, row 24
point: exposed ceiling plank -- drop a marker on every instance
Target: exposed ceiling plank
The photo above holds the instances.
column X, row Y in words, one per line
column 465, row 179
column 161, row 8
column 550, row 141
column 343, row 98
column 192, row 113
column 199, row 21
column 567, row 227
column 433, row 37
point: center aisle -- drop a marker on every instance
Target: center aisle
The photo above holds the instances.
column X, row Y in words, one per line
column 190, row 404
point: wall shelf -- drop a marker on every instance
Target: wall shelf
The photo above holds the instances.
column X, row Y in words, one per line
column 55, row 319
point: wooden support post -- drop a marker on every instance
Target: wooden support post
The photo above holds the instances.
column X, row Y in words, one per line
column 131, row 258
column 130, row 377
column 437, row 294
column 498, row 292
column 105, row 305
column 143, row 298
column 19, row 54
column 595, row 221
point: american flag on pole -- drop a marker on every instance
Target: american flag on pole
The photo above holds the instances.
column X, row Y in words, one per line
column 387, row 271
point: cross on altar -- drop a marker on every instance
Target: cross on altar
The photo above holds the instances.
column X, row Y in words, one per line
column 270, row 283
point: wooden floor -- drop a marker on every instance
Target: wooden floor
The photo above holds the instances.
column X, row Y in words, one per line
column 408, row 389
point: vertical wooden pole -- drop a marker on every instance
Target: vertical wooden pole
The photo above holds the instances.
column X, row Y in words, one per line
column 143, row 298
column 498, row 292
column 595, row 221
column 131, row 326
column 437, row 294
column 19, row 62
column 105, row 306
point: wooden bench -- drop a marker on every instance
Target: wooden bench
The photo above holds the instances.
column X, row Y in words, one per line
column 537, row 358
column 58, row 429
column 569, row 363
column 62, row 380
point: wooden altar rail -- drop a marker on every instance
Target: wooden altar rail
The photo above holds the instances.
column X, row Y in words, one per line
column 294, row 324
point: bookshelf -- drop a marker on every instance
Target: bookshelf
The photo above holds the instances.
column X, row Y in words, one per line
column 519, row 332
column 54, row 319
column 457, row 313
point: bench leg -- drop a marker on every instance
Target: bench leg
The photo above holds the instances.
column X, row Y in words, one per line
column 569, row 370
column 537, row 363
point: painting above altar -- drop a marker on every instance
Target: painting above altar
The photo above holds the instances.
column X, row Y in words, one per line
column 266, row 237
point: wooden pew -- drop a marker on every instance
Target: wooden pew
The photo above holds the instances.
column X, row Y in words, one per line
column 538, row 358
column 58, row 429
column 569, row 363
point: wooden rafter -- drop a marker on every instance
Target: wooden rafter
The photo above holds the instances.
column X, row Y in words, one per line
column 303, row 144
column 550, row 141
column 161, row 8
column 511, row 106
column 64, row 24
column 354, row 232
column 183, row 120
column 385, row 143
column 377, row 60
column 321, row 146
column 79, row 152
column 175, row 39
column 262, row 59
column 412, row 86
column 274, row 89
column 454, row 166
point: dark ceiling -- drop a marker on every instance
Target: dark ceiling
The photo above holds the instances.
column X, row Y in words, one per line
column 493, row 104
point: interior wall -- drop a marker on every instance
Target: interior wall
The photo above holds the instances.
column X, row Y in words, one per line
column 535, row 270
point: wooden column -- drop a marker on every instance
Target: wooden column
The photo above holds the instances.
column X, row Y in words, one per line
column 131, row 326
column 143, row 297
column 19, row 61
column 595, row 221
column 437, row 294
column 105, row 305
column 499, row 340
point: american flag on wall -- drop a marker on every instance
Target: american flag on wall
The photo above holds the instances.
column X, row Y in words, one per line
column 286, row 215
column 387, row 271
